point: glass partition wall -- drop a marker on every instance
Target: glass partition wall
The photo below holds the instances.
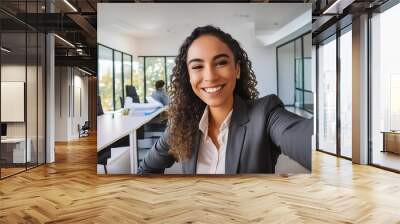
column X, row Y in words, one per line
column 294, row 73
column 22, row 106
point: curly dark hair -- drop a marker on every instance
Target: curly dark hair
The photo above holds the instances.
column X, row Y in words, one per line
column 186, row 108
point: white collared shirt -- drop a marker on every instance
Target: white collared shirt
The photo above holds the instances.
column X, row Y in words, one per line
column 210, row 160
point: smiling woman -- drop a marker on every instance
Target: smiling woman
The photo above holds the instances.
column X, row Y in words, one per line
column 217, row 124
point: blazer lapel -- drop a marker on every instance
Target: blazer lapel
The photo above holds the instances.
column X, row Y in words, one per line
column 189, row 166
column 237, row 132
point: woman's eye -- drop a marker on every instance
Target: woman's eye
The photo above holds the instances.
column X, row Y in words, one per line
column 196, row 67
column 221, row 63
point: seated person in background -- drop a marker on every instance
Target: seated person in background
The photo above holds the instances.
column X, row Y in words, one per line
column 160, row 95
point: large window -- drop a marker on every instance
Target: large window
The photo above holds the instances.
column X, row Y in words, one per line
column 155, row 68
column 105, row 76
column 346, row 92
column 154, row 71
column 114, row 73
column 385, row 89
column 117, row 69
column 170, row 65
column 118, row 80
column 327, row 95
column 334, row 75
column 127, row 70
column 138, row 77
column 294, row 73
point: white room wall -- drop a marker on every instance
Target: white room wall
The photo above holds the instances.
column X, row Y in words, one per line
column 80, row 83
column 117, row 41
column 61, row 103
column 67, row 81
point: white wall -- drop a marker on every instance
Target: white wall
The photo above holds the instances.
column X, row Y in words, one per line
column 117, row 41
column 61, row 103
column 69, row 82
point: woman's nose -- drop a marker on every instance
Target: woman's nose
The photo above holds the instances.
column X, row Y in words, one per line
column 210, row 73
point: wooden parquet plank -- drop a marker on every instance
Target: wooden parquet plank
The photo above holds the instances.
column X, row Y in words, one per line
column 70, row 191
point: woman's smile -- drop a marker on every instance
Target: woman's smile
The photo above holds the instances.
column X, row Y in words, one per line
column 213, row 89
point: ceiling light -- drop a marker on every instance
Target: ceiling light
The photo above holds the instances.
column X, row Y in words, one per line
column 65, row 41
column 86, row 72
column 5, row 50
column 338, row 6
column 70, row 5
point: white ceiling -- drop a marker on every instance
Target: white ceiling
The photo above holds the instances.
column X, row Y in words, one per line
column 143, row 20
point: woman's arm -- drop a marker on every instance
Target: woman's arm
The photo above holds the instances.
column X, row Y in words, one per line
column 292, row 134
column 158, row 158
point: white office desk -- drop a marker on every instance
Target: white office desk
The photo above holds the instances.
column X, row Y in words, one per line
column 112, row 127
column 19, row 155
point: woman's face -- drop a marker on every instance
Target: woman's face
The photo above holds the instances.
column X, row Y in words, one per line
column 212, row 71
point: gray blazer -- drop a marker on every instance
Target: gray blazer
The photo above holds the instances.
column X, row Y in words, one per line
column 258, row 133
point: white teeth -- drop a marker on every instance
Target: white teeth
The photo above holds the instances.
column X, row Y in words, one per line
column 212, row 90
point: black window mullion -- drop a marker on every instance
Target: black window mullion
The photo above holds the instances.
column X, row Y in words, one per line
column 317, row 96
column 25, row 88
column 338, row 124
column 369, row 88
column 113, row 79
column 144, row 78
column 277, row 70
column 302, row 69
column 165, row 71
column 37, row 95
column 295, row 78
column 132, row 71
column 123, row 78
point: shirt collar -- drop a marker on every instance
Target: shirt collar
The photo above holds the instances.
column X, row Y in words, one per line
column 203, row 124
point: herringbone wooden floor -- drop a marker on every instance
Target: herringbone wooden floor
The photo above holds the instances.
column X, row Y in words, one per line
column 70, row 191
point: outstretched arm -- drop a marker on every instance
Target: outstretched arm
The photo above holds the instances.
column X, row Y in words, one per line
column 158, row 158
column 292, row 134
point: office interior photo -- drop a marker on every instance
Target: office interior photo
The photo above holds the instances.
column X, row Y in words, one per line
column 140, row 53
column 45, row 94
column 54, row 59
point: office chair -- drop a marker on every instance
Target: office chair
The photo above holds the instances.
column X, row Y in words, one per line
column 84, row 130
column 131, row 92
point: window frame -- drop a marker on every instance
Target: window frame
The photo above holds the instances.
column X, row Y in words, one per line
column 113, row 71
column 302, row 90
column 336, row 36
column 167, row 82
